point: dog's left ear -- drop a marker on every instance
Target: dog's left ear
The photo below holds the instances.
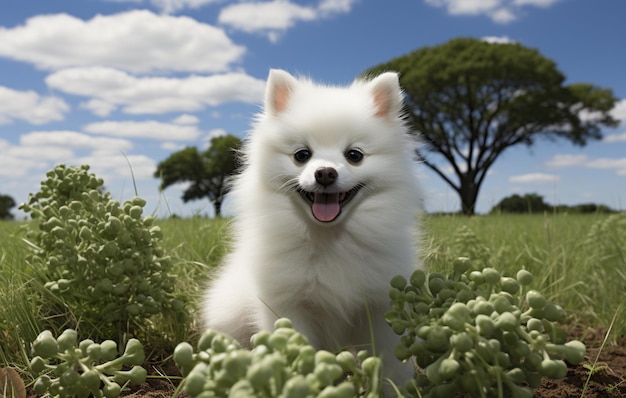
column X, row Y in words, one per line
column 387, row 95
column 280, row 85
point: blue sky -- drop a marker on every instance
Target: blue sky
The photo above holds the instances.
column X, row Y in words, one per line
column 102, row 81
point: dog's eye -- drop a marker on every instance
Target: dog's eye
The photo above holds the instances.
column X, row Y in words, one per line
column 354, row 156
column 302, row 155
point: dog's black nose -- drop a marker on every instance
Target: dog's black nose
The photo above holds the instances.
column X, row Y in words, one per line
column 325, row 176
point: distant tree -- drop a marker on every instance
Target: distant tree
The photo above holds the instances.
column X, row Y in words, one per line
column 6, row 204
column 471, row 100
column 207, row 172
column 529, row 203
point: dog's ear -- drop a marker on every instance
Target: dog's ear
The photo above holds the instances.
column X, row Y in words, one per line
column 280, row 85
column 387, row 95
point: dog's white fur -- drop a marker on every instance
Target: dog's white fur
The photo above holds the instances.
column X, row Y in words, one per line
column 330, row 278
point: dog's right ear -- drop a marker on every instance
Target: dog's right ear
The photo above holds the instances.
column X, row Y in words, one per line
column 280, row 85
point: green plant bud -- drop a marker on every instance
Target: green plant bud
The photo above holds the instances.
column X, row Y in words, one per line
column 328, row 373
column 456, row 316
column 534, row 324
column 485, row 351
column 94, row 352
column 45, row 345
column 323, row 356
column 135, row 375
column 402, row 352
column 91, row 380
column 448, row 368
column 465, row 295
column 206, row 340
column 259, row 375
column 278, row 342
column 135, row 212
column 553, row 368
column 183, row 355
column 195, row 380
column 509, row 285
column 491, row 276
column 485, row 325
column 69, row 378
column 507, row 322
column 553, row 313
column 133, row 309
column 477, row 277
column 516, row 375
column 42, row 384
column 38, row 364
column 535, row 299
column 260, row 338
column 108, row 350
column 134, row 352
column 524, row 277
column 68, row 339
column 510, row 338
column 371, row 366
column 112, row 390
column 503, row 359
column 296, row 387
column 343, row 390
column 138, row 201
column 461, row 265
column 418, row 278
column 483, row 307
column 502, row 304
column 236, row 363
column 437, row 339
column 60, row 233
column 76, row 206
column 109, row 250
column 398, row 282
column 576, row 352
column 462, row 342
column 435, row 285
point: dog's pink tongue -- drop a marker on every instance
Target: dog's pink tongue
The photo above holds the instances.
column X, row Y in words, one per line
column 326, row 206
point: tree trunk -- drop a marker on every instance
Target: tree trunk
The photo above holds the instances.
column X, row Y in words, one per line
column 218, row 207
column 468, row 193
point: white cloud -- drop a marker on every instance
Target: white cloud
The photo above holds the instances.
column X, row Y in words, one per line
column 272, row 18
column 619, row 111
column 618, row 165
column 615, row 137
column 498, row 39
column 186, row 119
column 138, row 41
column 533, row 178
column 110, row 88
column 536, row 3
column 171, row 6
column 71, row 139
column 146, row 129
column 500, row 11
column 30, row 107
column 172, row 146
column 99, row 107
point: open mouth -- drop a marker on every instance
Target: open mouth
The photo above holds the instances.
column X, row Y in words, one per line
column 326, row 206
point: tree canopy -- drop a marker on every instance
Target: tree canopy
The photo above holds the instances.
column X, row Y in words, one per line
column 534, row 203
column 6, row 204
column 207, row 172
column 470, row 100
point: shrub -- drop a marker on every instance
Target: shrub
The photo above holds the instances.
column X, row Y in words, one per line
column 104, row 260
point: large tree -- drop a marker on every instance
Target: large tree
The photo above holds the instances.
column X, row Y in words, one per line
column 207, row 172
column 6, row 204
column 470, row 100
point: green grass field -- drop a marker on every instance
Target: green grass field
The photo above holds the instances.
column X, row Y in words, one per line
column 579, row 262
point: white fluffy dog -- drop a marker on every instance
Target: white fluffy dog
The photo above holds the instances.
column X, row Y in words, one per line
column 325, row 215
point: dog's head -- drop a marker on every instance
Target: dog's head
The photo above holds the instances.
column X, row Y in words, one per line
column 330, row 148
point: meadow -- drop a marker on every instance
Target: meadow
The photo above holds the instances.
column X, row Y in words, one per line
column 578, row 261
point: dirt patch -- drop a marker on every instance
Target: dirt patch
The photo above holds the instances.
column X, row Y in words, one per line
column 608, row 377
